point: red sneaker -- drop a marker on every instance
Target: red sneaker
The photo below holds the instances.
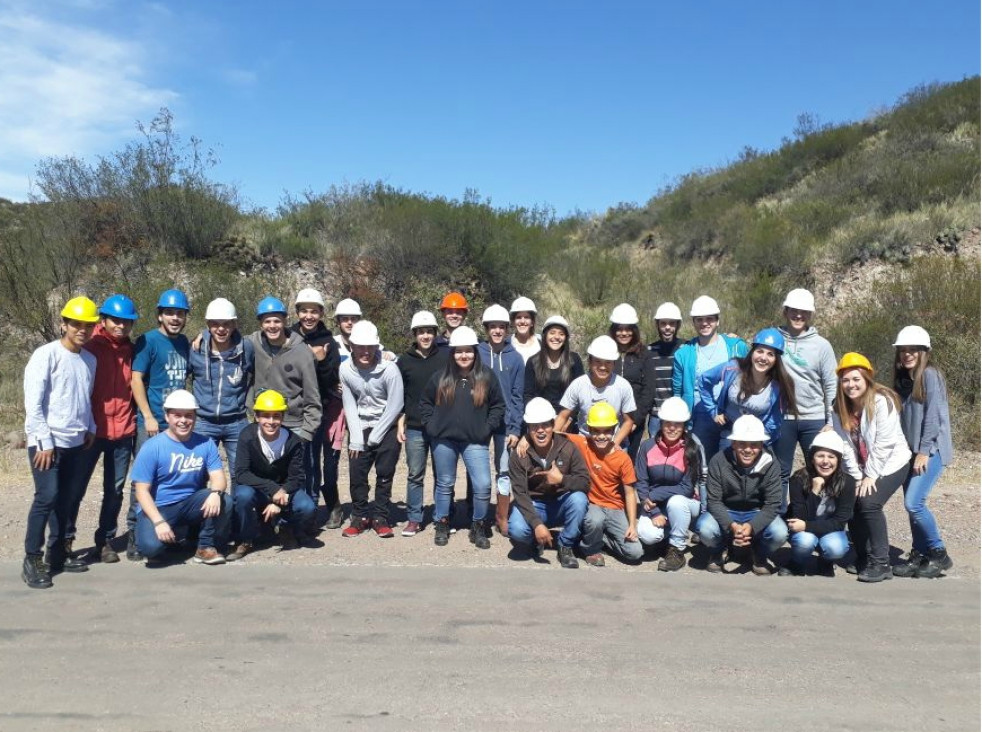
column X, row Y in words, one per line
column 383, row 530
column 411, row 528
column 356, row 527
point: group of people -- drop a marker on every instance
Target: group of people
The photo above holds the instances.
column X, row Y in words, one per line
column 639, row 445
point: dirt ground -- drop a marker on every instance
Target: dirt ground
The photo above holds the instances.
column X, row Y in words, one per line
column 955, row 502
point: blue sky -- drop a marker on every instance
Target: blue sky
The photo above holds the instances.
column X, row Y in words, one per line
column 571, row 104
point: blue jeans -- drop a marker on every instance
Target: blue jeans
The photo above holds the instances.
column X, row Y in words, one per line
column 445, row 455
column 226, row 433
column 417, row 453
column 141, row 438
column 708, row 433
column 183, row 514
column 248, row 503
column 56, row 490
column 765, row 543
column 320, row 482
column 923, row 526
column 681, row 513
column 654, row 424
column 568, row 511
column 502, row 479
column 834, row 545
column 794, row 432
column 116, row 456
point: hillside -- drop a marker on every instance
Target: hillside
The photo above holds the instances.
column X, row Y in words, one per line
column 871, row 215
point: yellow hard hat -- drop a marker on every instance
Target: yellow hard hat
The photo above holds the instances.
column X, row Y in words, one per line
column 270, row 401
column 81, row 309
column 853, row 360
column 601, row 414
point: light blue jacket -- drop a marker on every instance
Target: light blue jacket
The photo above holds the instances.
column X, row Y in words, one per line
column 684, row 368
column 726, row 373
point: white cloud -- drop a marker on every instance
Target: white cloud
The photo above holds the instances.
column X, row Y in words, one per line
column 68, row 89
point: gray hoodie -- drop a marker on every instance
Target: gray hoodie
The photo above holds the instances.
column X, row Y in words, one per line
column 927, row 426
column 293, row 373
column 372, row 398
column 810, row 361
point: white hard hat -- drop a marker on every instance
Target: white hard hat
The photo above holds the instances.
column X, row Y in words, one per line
column 748, row 429
column 309, row 295
column 220, row 309
column 674, row 409
column 913, row 335
column 463, row 336
column 624, row 314
column 539, row 411
column 668, row 311
column 828, row 440
column 423, row 319
column 800, row 299
column 364, row 333
column 523, row 305
column 555, row 320
column 604, row 348
column 495, row 314
column 180, row 399
column 704, row 305
column 347, row 307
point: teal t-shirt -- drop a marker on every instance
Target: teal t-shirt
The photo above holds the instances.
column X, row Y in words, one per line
column 163, row 362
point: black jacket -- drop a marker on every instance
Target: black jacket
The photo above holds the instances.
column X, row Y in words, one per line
column 554, row 389
column 804, row 504
column 416, row 374
column 254, row 470
column 639, row 370
column 728, row 488
column 462, row 421
column 327, row 370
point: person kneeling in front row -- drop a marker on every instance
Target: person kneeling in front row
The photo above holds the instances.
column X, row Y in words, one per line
column 269, row 476
column 549, row 484
column 823, row 496
column 180, row 483
column 743, row 498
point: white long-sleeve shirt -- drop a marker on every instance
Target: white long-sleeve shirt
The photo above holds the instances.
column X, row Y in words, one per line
column 58, row 397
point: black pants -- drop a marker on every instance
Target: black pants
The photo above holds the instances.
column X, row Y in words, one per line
column 383, row 457
column 869, row 524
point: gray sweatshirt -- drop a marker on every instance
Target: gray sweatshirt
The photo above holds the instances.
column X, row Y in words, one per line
column 372, row 399
column 927, row 426
column 291, row 372
column 810, row 361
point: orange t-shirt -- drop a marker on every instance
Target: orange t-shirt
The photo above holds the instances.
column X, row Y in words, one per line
column 608, row 473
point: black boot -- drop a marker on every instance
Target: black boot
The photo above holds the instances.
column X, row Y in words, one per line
column 61, row 559
column 478, row 536
column 132, row 553
column 441, row 532
column 35, row 573
column 911, row 567
column 934, row 565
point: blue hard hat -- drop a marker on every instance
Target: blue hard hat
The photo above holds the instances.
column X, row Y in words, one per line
column 270, row 305
column 173, row 299
column 119, row 306
column 770, row 337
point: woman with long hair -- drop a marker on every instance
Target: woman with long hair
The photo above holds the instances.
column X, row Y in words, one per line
column 868, row 415
column 550, row 371
column 927, row 427
column 671, row 473
column 754, row 384
column 634, row 363
column 461, row 407
column 823, row 496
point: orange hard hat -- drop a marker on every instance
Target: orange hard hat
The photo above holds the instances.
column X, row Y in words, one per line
column 453, row 301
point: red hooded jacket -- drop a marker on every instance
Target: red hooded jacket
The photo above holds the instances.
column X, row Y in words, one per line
column 112, row 398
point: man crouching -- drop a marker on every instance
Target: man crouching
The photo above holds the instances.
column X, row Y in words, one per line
column 180, row 484
column 549, row 481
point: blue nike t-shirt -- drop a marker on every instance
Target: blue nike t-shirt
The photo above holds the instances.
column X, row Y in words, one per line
column 175, row 469
column 163, row 362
